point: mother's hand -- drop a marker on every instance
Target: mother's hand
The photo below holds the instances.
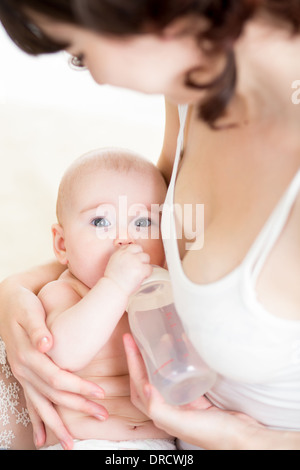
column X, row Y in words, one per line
column 27, row 339
column 199, row 423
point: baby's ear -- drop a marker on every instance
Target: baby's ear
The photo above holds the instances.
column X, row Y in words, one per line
column 59, row 243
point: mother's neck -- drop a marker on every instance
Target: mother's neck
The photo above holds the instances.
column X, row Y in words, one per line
column 268, row 62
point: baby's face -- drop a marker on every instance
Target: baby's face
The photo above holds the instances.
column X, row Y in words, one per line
column 111, row 209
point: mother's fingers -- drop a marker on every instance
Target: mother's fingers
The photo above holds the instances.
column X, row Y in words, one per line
column 39, row 433
column 32, row 322
column 44, row 372
column 72, row 400
column 175, row 420
column 137, row 372
column 42, row 412
column 38, row 368
column 144, row 396
column 40, row 406
column 134, row 358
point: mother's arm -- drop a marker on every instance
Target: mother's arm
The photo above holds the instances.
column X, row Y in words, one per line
column 200, row 423
column 26, row 336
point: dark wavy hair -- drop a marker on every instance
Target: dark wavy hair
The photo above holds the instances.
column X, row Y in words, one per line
column 225, row 20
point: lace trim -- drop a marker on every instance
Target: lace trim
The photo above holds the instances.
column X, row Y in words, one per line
column 9, row 402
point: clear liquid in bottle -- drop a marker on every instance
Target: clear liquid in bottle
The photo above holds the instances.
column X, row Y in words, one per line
column 173, row 365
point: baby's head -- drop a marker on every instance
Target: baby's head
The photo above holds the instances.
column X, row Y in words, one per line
column 107, row 198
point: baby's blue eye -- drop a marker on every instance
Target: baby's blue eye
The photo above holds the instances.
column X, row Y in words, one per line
column 101, row 222
column 143, row 222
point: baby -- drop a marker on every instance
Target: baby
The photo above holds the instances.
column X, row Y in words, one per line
column 108, row 237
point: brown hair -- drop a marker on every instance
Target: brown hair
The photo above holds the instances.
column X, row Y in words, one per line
column 225, row 19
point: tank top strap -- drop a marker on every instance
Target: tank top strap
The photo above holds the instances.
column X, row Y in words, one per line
column 272, row 230
column 182, row 112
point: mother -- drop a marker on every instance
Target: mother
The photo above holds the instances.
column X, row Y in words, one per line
column 234, row 63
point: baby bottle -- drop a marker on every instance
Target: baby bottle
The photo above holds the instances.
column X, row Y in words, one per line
column 174, row 367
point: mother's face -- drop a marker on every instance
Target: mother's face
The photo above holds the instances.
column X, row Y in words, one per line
column 149, row 63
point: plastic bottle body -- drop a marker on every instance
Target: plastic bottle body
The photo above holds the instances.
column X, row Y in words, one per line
column 174, row 367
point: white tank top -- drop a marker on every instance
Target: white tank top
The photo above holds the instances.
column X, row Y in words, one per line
column 256, row 354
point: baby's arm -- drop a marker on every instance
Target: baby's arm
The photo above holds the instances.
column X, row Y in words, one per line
column 81, row 326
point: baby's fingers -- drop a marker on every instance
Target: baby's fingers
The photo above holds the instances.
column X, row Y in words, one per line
column 144, row 258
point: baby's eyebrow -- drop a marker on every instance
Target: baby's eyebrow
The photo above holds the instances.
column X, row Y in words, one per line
column 95, row 207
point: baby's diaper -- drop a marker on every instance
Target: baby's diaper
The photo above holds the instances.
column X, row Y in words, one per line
column 139, row 444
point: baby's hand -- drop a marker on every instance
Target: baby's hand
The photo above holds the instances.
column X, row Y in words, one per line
column 128, row 267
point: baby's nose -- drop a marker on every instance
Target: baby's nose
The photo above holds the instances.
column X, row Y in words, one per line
column 123, row 241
